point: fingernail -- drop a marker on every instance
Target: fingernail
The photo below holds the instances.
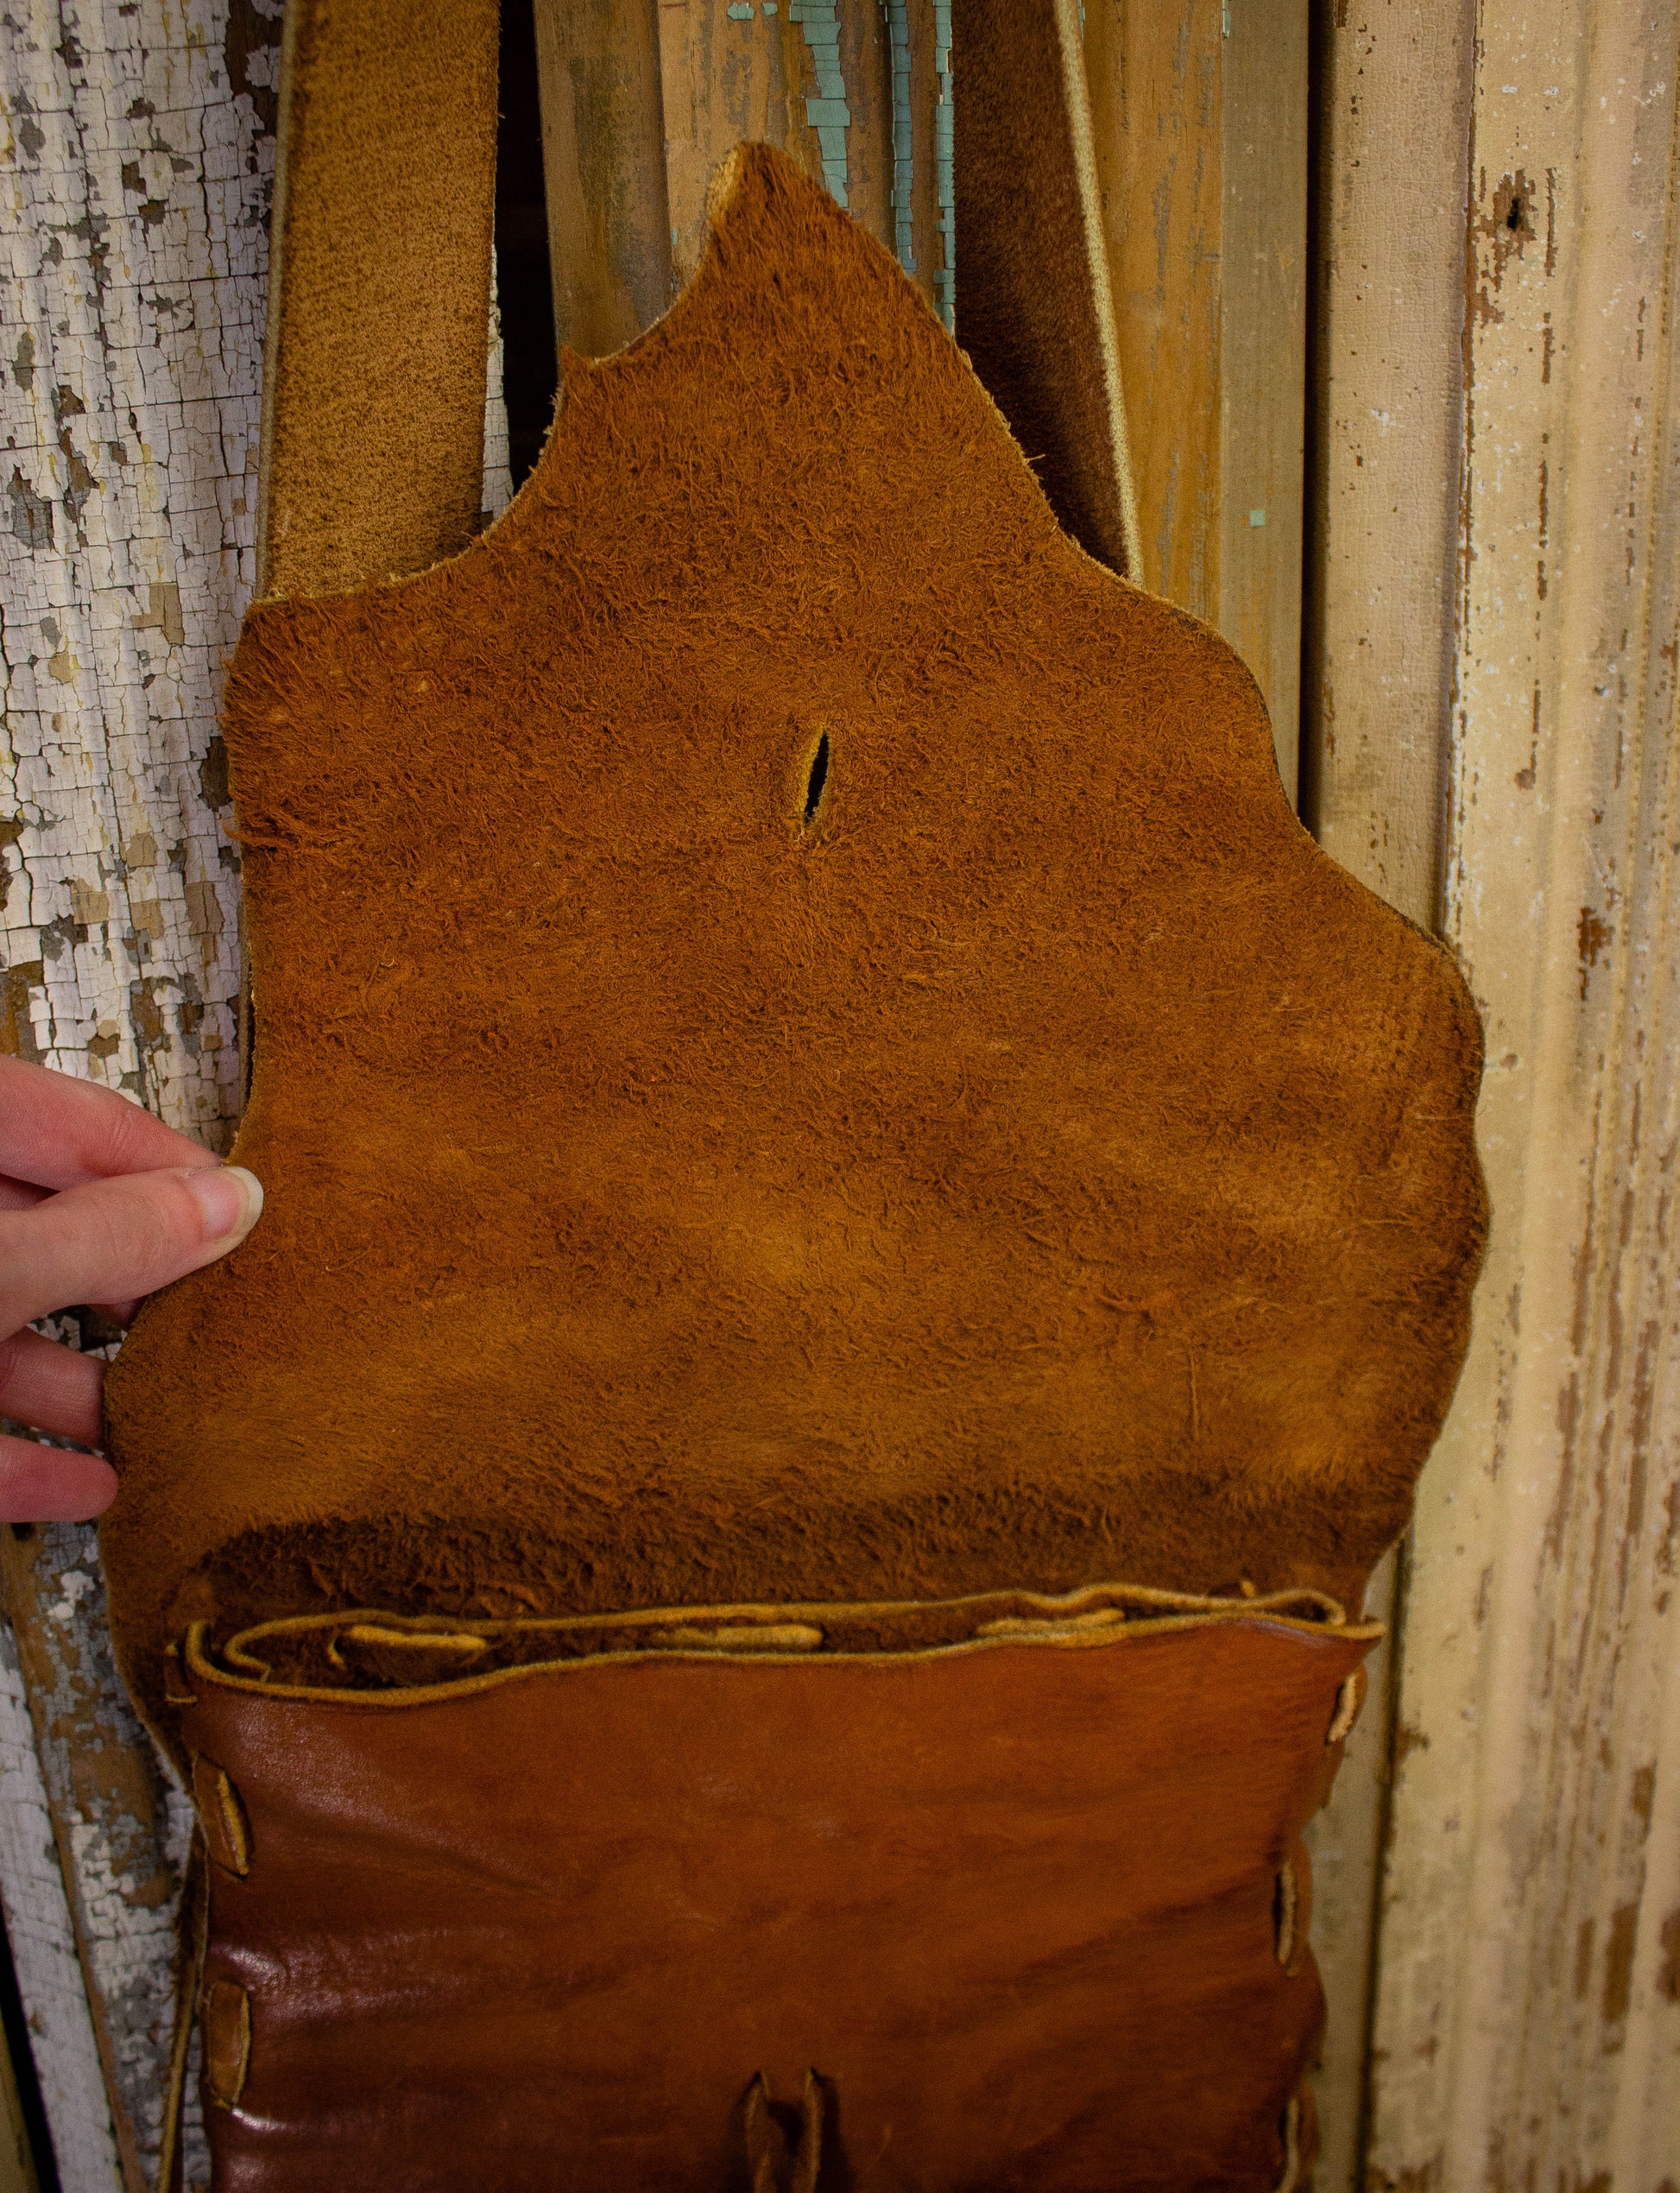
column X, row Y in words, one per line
column 231, row 1200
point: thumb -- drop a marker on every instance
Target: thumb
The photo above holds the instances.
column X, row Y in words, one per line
column 114, row 1239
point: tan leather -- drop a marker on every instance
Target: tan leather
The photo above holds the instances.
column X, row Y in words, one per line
column 1013, row 1901
column 1037, row 1163
column 373, row 414
column 225, row 2019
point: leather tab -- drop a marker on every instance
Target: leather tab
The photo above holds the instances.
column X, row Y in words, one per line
column 227, row 2042
column 775, row 2169
column 1292, row 1911
column 1349, row 1699
column 226, row 1830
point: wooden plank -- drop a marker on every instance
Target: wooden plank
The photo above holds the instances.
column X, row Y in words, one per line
column 815, row 76
column 1156, row 85
column 1394, row 127
column 1394, row 102
column 924, row 103
column 867, row 70
column 1200, row 113
column 1528, row 2023
column 604, row 168
column 726, row 79
column 1263, row 354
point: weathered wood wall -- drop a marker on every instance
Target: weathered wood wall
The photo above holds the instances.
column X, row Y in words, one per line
column 1490, row 505
column 1496, row 743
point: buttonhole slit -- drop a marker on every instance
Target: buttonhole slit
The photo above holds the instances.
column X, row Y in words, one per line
column 816, row 781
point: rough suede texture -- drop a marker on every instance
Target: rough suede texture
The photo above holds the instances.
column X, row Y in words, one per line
column 1040, row 1165
column 380, row 290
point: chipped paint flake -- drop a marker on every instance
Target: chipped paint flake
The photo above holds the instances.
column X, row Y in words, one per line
column 904, row 143
column 826, row 112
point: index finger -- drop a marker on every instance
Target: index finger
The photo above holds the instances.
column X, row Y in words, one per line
column 58, row 1131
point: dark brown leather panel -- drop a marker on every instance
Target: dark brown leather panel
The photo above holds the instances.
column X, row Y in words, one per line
column 1016, row 1904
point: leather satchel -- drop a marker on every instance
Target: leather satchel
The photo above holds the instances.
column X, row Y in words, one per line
column 864, row 1244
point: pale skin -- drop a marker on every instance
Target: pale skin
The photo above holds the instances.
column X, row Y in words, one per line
column 100, row 1203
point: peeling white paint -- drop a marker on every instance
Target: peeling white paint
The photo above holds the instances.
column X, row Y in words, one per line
column 43, row 1949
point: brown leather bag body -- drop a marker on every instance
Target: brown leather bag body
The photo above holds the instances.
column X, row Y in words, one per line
column 749, row 1563
column 1032, row 1907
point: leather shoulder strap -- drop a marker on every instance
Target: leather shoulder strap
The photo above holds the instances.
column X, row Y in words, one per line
column 373, row 429
column 373, row 420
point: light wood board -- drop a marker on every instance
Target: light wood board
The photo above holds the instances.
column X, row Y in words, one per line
column 1527, row 2026
column 1201, row 119
column 1383, row 514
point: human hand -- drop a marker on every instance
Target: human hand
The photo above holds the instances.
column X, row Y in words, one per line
column 100, row 1203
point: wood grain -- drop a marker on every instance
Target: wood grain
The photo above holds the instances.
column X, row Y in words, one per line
column 726, row 79
column 1388, row 343
column 1156, row 87
column 1200, row 114
column 750, row 70
column 1528, row 2011
column 1262, row 355
column 604, row 168
column 1382, row 494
